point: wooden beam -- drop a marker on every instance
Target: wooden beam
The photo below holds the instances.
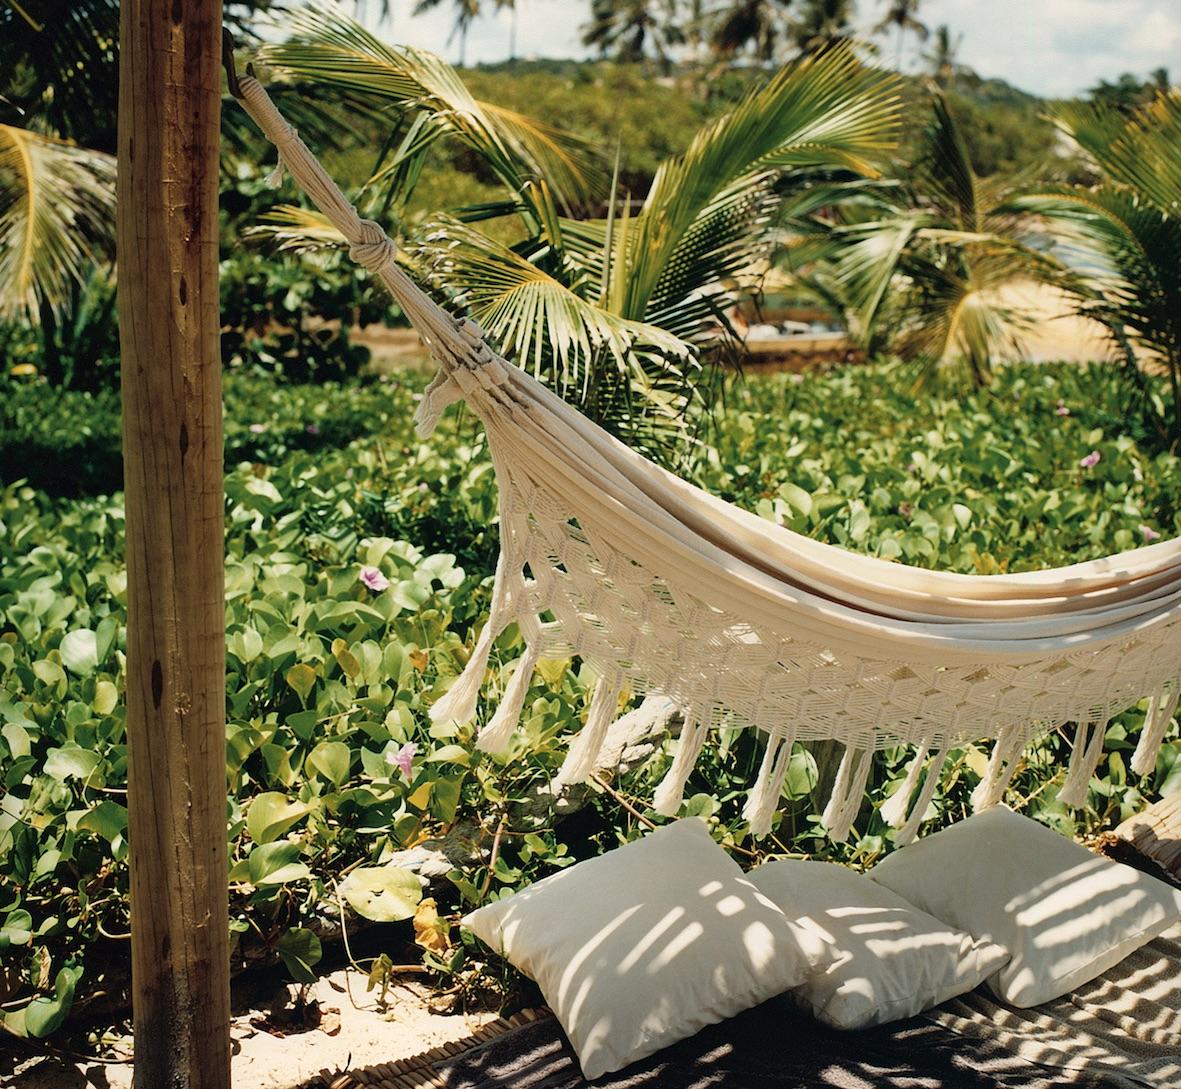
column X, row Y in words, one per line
column 169, row 116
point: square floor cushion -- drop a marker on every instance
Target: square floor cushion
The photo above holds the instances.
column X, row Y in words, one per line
column 1064, row 914
column 891, row 959
column 649, row 943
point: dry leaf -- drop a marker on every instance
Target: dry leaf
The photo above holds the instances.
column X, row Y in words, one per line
column 431, row 932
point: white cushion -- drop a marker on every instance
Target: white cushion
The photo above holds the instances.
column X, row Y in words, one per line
column 892, row 960
column 1065, row 914
column 648, row 944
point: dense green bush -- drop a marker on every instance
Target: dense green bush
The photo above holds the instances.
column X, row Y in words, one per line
column 357, row 577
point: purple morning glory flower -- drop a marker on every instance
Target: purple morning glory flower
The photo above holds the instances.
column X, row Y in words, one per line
column 374, row 579
column 257, row 429
column 1061, row 410
column 1091, row 460
column 312, row 429
column 1149, row 533
column 404, row 758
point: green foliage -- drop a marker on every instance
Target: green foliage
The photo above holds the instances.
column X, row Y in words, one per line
column 1122, row 235
column 331, row 761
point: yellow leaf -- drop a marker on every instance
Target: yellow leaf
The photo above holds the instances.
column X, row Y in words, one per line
column 303, row 679
column 552, row 670
column 430, row 931
column 419, row 659
column 345, row 658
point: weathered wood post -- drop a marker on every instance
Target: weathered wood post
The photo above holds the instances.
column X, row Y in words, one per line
column 169, row 115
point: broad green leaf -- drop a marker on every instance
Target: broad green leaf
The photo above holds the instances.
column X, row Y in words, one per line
column 79, row 651
column 302, row 678
column 300, row 951
column 276, row 864
column 384, row 894
column 331, row 759
column 271, row 814
column 70, row 762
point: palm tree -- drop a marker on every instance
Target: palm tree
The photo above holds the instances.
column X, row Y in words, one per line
column 924, row 267
column 1124, row 234
column 57, row 205
column 628, row 29
column 942, row 62
column 903, row 15
column 466, row 13
column 617, row 312
column 822, row 24
column 755, row 24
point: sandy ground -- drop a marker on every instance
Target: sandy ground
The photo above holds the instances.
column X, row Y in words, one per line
column 274, row 1049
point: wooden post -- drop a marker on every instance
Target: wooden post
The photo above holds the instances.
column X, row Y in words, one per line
column 169, row 116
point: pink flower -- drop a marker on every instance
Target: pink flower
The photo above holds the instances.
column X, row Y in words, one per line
column 257, row 429
column 312, row 429
column 1061, row 410
column 1149, row 533
column 1091, row 460
column 374, row 579
column 404, row 758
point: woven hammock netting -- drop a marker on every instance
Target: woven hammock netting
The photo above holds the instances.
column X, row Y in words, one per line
column 665, row 589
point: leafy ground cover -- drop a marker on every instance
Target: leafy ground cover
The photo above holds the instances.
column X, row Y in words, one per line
column 358, row 570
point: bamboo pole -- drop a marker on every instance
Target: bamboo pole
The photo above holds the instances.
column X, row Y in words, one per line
column 169, row 116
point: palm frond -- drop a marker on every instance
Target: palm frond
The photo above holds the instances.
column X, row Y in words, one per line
column 330, row 49
column 57, row 211
column 826, row 110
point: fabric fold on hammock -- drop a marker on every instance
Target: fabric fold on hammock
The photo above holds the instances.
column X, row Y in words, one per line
column 661, row 587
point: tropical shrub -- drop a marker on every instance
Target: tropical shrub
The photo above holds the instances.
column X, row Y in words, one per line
column 357, row 578
column 1122, row 234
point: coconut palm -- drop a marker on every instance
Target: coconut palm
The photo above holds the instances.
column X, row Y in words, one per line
column 1124, row 234
column 925, row 267
column 631, row 29
column 615, row 312
column 466, row 13
column 758, row 25
column 903, row 16
column 821, row 24
column 57, row 202
column 941, row 61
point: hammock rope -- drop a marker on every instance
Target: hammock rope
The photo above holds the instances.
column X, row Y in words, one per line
column 662, row 588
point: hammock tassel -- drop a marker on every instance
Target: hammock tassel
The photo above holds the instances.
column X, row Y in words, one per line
column 918, row 812
column 848, row 791
column 763, row 799
column 1002, row 766
column 1156, row 724
column 895, row 808
column 442, row 392
column 459, row 702
column 275, row 178
column 671, row 792
column 1084, row 759
column 496, row 734
column 583, row 754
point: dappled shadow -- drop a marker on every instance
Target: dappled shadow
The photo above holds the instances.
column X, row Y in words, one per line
column 768, row 1047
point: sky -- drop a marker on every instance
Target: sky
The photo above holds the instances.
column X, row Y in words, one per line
column 1050, row 47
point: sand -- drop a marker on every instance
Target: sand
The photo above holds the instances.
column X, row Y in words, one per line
column 273, row 1049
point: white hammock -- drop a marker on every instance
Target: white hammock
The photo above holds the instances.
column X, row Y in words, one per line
column 662, row 587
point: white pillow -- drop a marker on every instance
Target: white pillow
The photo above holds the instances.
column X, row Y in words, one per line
column 892, row 960
column 1065, row 915
column 648, row 944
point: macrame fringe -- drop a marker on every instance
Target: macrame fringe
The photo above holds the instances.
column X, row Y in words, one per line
column 495, row 735
column 583, row 754
column 1156, row 724
column 848, row 791
column 763, row 799
column 671, row 791
column 895, row 808
column 458, row 704
column 918, row 812
column 1002, row 766
column 1084, row 759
